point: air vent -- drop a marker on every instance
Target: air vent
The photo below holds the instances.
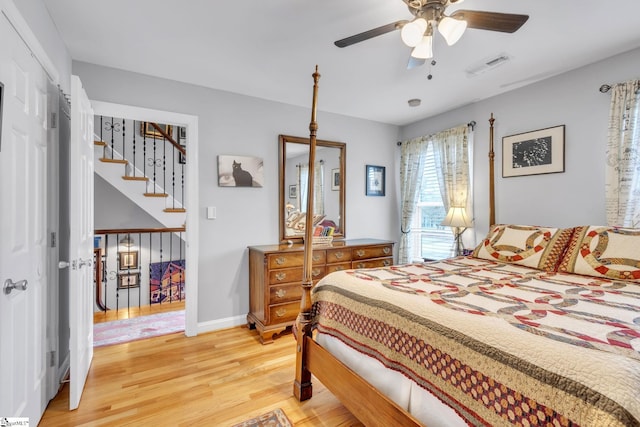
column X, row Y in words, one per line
column 487, row 64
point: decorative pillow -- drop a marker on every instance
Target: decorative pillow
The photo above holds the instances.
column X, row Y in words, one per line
column 602, row 251
column 531, row 246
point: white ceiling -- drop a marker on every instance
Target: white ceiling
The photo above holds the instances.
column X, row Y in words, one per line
column 269, row 48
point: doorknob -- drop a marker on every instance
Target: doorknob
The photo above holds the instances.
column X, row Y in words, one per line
column 10, row 285
column 63, row 264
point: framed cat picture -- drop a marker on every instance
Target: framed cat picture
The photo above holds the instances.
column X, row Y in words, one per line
column 240, row 171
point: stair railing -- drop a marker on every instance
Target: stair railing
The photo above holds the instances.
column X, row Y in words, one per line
column 137, row 267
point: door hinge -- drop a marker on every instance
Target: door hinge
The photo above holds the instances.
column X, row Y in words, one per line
column 53, row 239
column 54, row 120
column 52, row 358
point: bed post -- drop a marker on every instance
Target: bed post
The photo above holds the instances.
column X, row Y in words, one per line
column 302, row 388
column 492, row 201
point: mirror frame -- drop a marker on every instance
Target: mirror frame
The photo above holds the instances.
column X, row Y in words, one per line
column 282, row 151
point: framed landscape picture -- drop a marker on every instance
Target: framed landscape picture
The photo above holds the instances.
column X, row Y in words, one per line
column 533, row 153
column 374, row 176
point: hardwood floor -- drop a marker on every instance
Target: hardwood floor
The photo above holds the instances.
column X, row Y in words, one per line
column 215, row 379
column 130, row 313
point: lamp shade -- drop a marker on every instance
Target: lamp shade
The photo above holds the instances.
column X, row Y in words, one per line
column 412, row 32
column 451, row 29
column 456, row 217
column 424, row 49
column 127, row 241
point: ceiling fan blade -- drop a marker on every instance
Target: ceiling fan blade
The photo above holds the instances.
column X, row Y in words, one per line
column 492, row 21
column 370, row 34
column 415, row 62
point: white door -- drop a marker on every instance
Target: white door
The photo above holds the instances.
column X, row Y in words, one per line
column 23, row 221
column 81, row 240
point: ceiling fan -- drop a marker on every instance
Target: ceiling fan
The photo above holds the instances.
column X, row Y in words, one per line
column 429, row 15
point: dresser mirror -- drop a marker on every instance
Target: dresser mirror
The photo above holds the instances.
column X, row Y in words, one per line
column 329, row 202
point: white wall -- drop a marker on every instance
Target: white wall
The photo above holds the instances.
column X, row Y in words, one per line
column 572, row 99
column 242, row 125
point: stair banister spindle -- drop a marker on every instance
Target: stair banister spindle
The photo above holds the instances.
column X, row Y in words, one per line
column 124, row 144
column 134, row 148
column 154, row 163
column 144, row 153
column 112, row 139
column 164, row 163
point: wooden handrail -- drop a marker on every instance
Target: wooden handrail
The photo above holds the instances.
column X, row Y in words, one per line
column 168, row 137
column 139, row 230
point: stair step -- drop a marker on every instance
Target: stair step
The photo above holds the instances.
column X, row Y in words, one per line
column 175, row 210
column 156, row 195
column 135, row 178
column 100, row 143
column 120, row 161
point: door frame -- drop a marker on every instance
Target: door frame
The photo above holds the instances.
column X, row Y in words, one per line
column 192, row 188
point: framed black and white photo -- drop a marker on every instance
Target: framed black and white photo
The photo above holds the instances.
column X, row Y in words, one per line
column 293, row 191
column 374, row 176
column 128, row 280
column 240, row 171
column 533, row 153
column 128, row 260
column 335, row 179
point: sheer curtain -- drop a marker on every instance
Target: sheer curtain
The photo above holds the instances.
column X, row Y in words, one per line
column 622, row 185
column 303, row 179
column 411, row 167
column 451, row 149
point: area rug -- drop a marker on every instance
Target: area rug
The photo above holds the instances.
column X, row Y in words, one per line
column 125, row 330
column 275, row 418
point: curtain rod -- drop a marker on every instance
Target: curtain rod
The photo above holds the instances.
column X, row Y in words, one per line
column 471, row 124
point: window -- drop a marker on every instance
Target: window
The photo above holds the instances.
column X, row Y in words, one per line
column 430, row 239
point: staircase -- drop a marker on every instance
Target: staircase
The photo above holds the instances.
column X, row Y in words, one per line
column 158, row 187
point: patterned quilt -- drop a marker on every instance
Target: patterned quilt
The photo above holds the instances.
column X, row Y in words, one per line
column 499, row 343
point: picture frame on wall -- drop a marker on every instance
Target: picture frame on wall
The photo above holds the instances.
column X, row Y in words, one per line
column 128, row 260
column 293, row 191
column 240, row 171
column 128, row 280
column 533, row 153
column 375, row 180
column 147, row 129
column 335, row 179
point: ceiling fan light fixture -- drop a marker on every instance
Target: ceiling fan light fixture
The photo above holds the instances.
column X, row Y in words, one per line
column 424, row 49
column 412, row 32
column 452, row 29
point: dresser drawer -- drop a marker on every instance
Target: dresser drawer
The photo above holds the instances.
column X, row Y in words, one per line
column 294, row 259
column 338, row 255
column 288, row 275
column 373, row 263
column 279, row 313
column 285, row 293
column 372, row 252
column 338, row 267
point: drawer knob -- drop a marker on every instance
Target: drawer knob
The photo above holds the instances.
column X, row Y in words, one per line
column 386, row 250
column 316, row 257
column 339, row 268
column 280, row 260
column 280, row 293
column 316, row 272
column 281, row 312
column 360, row 265
column 387, row 263
column 360, row 252
column 281, row 276
column 339, row 255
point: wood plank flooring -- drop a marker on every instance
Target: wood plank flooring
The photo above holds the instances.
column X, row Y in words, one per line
column 130, row 313
column 215, row 379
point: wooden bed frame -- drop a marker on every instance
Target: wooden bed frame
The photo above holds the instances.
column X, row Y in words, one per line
column 363, row 400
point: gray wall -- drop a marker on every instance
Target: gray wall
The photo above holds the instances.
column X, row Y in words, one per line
column 236, row 124
column 572, row 99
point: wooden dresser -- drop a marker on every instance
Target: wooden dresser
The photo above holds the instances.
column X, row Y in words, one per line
column 275, row 276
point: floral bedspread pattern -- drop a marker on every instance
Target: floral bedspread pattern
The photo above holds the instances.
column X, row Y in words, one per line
column 496, row 342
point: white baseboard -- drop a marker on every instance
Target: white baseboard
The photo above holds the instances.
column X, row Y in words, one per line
column 216, row 325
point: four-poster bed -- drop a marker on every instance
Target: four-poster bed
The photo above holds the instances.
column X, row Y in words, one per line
column 540, row 326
